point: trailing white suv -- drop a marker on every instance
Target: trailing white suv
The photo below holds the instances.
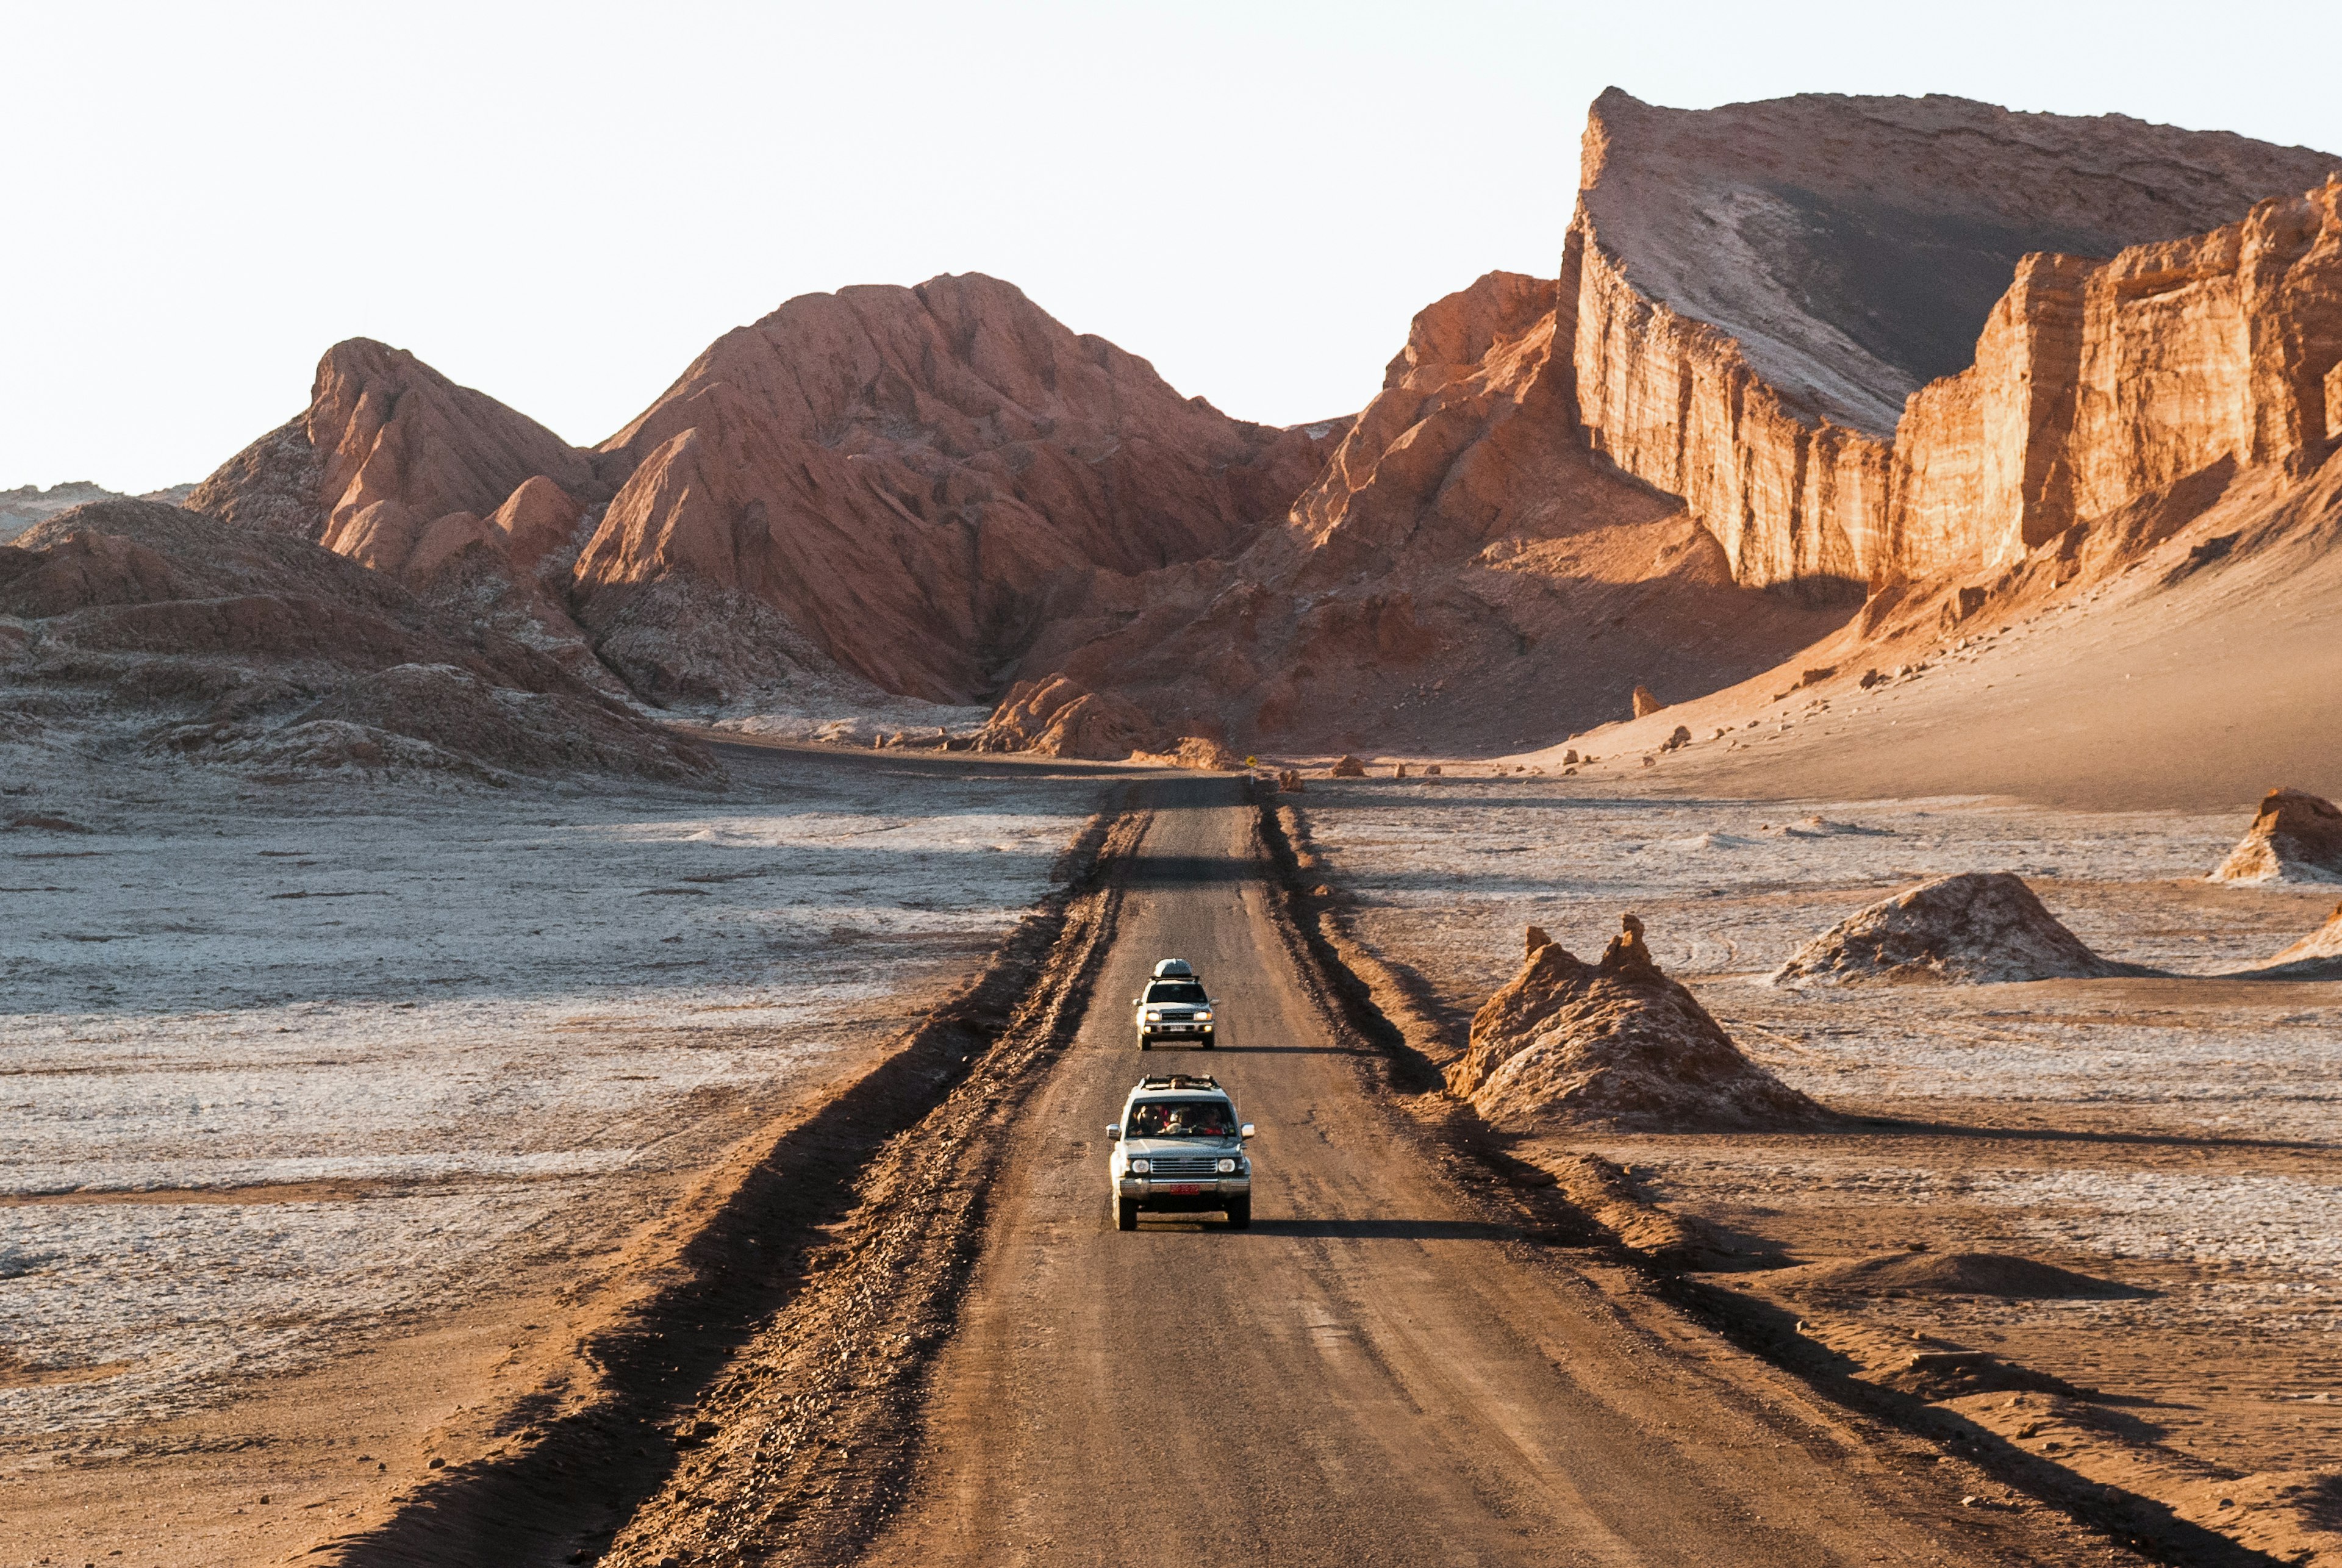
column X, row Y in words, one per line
column 1174, row 1006
column 1179, row 1149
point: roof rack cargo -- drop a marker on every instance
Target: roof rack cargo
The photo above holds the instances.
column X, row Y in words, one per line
column 1173, row 969
column 1179, row 1081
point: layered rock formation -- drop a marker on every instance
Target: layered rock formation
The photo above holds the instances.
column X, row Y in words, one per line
column 130, row 621
column 1975, row 928
column 2295, row 836
column 1756, row 291
column 920, row 479
column 1615, row 1043
column 2097, row 385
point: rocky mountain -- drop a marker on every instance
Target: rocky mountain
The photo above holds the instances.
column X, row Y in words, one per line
column 917, row 480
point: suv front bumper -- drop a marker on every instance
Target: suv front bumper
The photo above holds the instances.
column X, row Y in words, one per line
column 1199, row 1193
column 1175, row 1031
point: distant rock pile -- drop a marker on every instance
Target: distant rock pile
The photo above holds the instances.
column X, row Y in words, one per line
column 2295, row 836
column 1977, row 928
column 1061, row 718
column 1946, row 1274
column 1349, row 767
column 1197, row 752
column 1615, row 1043
column 2317, row 956
column 132, row 623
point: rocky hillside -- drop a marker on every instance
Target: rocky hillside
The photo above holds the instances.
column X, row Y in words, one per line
column 29, row 503
column 1465, row 573
column 132, row 626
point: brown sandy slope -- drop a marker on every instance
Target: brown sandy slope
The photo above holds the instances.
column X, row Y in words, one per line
column 2188, row 678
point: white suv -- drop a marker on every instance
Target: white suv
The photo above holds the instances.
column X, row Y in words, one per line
column 1174, row 1006
column 1179, row 1149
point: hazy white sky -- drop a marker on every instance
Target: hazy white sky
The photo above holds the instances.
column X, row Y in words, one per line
column 561, row 204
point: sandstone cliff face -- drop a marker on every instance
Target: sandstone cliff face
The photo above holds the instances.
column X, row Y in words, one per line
column 386, row 447
column 918, row 478
column 2097, row 385
column 1757, row 290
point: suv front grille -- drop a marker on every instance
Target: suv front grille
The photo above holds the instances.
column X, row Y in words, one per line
column 1185, row 1165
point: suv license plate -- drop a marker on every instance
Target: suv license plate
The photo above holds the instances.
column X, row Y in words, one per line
column 1186, row 1189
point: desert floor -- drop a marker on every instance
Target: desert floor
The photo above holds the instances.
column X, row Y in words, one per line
column 324, row 1103
column 2176, row 1135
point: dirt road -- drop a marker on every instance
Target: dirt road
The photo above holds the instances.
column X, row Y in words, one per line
column 1375, row 1373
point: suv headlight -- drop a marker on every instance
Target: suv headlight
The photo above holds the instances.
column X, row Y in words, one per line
column 1140, row 1167
column 1154, row 1015
column 1227, row 1167
column 1205, row 1016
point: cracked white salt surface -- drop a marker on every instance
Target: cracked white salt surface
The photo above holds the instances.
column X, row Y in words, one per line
column 481, row 1004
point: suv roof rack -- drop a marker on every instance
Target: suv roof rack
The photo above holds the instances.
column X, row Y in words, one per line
column 1179, row 1081
column 1173, row 969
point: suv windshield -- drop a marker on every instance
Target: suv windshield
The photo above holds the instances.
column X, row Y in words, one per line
column 1182, row 1119
column 1186, row 991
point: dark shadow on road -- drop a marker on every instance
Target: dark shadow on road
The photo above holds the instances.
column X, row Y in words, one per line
column 1393, row 1230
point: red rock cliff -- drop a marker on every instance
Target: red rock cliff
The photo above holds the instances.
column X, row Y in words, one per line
column 2097, row 384
column 1757, row 289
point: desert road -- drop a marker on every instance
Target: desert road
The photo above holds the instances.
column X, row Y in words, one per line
column 1373, row 1373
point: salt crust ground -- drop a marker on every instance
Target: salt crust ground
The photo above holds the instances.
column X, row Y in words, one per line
column 2172, row 1134
column 414, row 1037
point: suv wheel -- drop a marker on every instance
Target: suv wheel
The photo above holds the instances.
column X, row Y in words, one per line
column 1207, row 1042
column 1145, row 1044
column 1240, row 1212
column 1126, row 1214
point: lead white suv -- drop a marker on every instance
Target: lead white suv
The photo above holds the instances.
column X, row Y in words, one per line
column 1179, row 1149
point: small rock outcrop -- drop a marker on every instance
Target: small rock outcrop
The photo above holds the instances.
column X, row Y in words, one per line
column 1946, row 1274
column 2317, row 956
column 1349, row 767
column 1645, row 704
column 1060, row 717
column 1976, row 928
column 1615, row 1043
column 2295, row 836
column 1198, row 752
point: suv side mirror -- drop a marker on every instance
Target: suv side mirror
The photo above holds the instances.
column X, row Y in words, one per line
column 1244, row 1131
column 1137, row 1000
column 1113, row 1133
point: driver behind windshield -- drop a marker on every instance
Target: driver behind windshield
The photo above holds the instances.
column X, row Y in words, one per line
column 1186, row 993
column 1182, row 1119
